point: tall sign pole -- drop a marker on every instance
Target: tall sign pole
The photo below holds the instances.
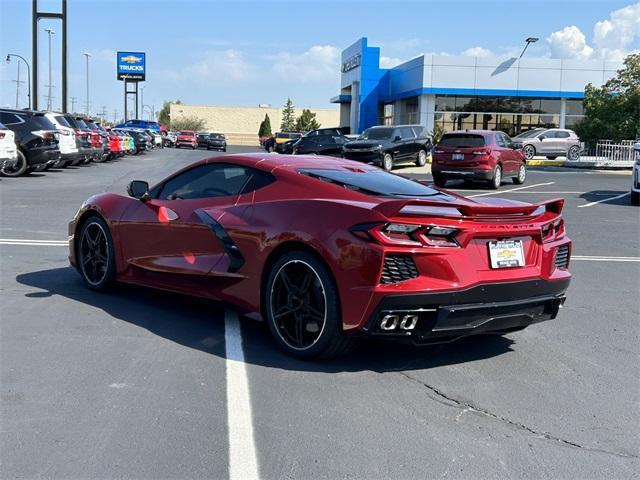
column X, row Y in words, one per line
column 36, row 16
column 131, row 68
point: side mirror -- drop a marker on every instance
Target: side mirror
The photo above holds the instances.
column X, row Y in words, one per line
column 138, row 189
column 541, row 137
column 397, row 139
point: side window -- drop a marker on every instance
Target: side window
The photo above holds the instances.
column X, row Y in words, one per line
column 500, row 140
column 563, row 134
column 550, row 134
column 406, row 133
column 9, row 118
column 419, row 132
column 213, row 180
column 507, row 141
column 258, row 180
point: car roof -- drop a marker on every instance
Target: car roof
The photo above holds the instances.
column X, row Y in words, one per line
column 474, row 132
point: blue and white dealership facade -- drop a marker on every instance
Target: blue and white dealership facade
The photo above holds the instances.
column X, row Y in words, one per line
column 459, row 92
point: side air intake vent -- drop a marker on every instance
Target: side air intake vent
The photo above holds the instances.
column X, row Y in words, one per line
column 398, row 268
column 562, row 256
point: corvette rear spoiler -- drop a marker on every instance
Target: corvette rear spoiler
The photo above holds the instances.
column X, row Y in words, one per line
column 392, row 208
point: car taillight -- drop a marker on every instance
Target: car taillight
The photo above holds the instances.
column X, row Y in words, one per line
column 2, row 135
column 553, row 231
column 64, row 132
column 482, row 151
column 404, row 234
column 45, row 134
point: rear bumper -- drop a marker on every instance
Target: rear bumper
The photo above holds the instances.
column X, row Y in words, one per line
column 470, row 173
column 485, row 308
column 42, row 155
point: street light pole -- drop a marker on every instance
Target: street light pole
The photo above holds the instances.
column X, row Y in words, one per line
column 8, row 60
column 50, row 32
column 87, row 55
column 142, row 98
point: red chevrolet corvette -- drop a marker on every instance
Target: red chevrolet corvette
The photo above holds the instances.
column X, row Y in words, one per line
column 330, row 250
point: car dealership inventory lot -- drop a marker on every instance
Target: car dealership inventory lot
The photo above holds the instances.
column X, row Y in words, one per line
column 136, row 383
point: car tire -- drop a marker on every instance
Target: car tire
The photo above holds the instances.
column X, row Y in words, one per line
column 224, row 149
column 551, row 157
column 635, row 198
column 387, row 162
column 573, row 154
column 496, row 180
column 439, row 180
column 95, row 254
column 522, row 175
column 19, row 169
column 285, row 293
column 421, row 159
column 529, row 151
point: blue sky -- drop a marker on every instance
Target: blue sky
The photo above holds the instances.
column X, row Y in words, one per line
column 249, row 52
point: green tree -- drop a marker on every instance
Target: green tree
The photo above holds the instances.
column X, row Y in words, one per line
column 164, row 116
column 306, row 121
column 188, row 123
column 288, row 123
column 436, row 133
column 612, row 112
column 265, row 127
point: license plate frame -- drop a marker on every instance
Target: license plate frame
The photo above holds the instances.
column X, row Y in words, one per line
column 457, row 156
column 506, row 254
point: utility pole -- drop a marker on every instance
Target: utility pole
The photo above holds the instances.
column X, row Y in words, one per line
column 142, row 99
column 103, row 113
column 87, row 55
column 73, row 104
column 50, row 32
column 115, row 115
column 18, row 82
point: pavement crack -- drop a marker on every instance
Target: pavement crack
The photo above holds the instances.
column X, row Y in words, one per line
column 465, row 407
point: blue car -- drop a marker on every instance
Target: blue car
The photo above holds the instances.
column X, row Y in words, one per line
column 144, row 124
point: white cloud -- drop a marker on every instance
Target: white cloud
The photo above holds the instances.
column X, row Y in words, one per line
column 319, row 63
column 477, row 52
column 613, row 39
column 569, row 42
column 216, row 67
column 389, row 62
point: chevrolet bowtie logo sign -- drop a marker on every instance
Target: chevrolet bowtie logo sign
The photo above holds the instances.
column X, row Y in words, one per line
column 131, row 66
column 131, row 59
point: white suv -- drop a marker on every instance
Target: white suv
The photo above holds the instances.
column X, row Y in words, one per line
column 635, row 180
column 8, row 149
column 67, row 139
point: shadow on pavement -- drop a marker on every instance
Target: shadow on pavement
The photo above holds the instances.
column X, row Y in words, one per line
column 199, row 324
column 598, row 195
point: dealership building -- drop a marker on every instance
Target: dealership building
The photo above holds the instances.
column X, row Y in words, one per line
column 461, row 92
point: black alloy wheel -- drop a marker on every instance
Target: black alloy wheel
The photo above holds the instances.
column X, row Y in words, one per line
column 302, row 308
column 95, row 254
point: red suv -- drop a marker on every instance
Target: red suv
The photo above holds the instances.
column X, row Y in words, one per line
column 187, row 138
column 477, row 155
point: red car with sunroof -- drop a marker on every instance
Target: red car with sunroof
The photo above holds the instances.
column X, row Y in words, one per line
column 330, row 252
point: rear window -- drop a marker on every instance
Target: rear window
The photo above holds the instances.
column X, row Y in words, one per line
column 185, row 132
column 62, row 121
column 373, row 182
column 461, row 140
column 42, row 122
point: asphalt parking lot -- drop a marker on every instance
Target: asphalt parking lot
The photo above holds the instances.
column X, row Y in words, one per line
column 136, row 383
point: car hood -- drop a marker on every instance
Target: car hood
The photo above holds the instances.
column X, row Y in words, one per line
column 365, row 143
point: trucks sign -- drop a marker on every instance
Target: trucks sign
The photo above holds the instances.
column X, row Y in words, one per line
column 131, row 66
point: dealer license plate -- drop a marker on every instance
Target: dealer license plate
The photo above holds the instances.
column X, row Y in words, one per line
column 506, row 253
column 457, row 156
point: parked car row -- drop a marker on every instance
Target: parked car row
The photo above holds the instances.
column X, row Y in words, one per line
column 35, row 141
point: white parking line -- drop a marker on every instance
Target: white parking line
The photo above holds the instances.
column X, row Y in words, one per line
column 590, row 204
column 34, row 243
column 498, row 192
column 597, row 258
column 243, row 461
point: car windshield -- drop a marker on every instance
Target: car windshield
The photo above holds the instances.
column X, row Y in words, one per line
column 461, row 140
column 374, row 182
column 217, row 136
column 377, row 134
column 80, row 123
column 530, row 134
column 185, row 132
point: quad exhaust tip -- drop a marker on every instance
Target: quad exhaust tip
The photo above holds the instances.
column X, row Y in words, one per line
column 393, row 321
